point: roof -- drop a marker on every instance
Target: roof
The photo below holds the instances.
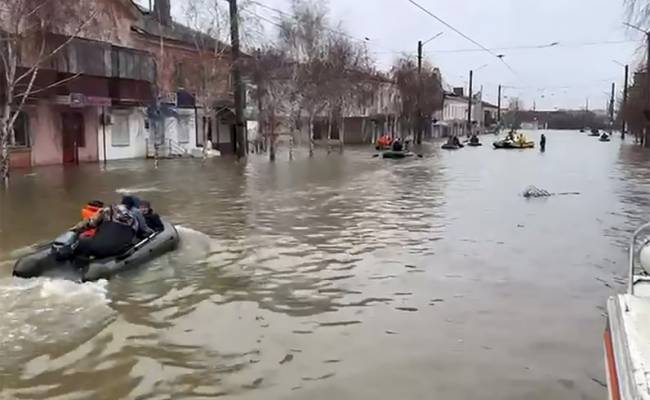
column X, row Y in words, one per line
column 488, row 105
column 148, row 25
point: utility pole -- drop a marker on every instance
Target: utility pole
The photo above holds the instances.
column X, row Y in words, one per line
column 499, row 109
column 418, row 134
column 419, row 56
column 469, row 104
column 624, row 105
column 611, row 109
column 240, row 129
column 646, row 142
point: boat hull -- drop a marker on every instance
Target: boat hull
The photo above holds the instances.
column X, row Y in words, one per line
column 43, row 263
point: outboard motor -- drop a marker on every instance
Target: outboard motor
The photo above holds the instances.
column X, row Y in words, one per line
column 64, row 246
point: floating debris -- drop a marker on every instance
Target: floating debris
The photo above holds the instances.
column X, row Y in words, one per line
column 409, row 309
column 535, row 192
column 286, row 359
column 598, row 381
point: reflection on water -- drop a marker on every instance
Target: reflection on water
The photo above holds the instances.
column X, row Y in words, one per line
column 340, row 276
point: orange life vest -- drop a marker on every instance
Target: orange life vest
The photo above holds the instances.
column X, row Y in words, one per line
column 88, row 211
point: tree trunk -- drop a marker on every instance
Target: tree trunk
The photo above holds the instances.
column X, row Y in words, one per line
column 329, row 131
column 4, row 143
column 342, row 132
column 271, row 139
column 329, row 126
column 311, row 134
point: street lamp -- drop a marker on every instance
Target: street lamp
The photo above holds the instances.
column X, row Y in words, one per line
column 646, row 142
column 433, row 37
column 623, row 106
column 421, row 45
column 469, row 98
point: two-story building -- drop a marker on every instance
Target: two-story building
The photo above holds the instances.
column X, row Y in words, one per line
column 93, row 99
column 452, row 119
column 367, row 121
column 67, row 118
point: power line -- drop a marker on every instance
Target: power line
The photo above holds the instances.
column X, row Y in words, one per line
column 339, row 32
column 539, row 47
column 445, row 23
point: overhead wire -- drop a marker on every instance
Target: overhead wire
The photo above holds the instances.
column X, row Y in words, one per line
column 364, row 40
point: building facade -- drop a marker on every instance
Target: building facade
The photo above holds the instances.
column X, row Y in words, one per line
column 95, row 95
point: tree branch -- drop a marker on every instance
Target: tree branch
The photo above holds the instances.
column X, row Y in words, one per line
column 28, row 92
column 52, row 53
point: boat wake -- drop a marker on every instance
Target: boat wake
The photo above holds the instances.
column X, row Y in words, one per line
column 39, row 313
column 130, row 190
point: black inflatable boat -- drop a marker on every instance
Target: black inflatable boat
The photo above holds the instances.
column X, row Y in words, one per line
column 44, row 261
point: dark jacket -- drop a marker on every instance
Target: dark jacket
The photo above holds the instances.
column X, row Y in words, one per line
column 153, row 221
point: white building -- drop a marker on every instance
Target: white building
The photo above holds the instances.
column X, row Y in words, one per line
column 452, row 119
column 127, row 133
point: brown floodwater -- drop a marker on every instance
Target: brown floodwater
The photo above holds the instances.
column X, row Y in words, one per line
column 342, row 276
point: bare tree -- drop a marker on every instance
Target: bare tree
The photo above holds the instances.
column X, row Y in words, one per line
column 638, row 12
column 635, row 106
column 206, row 73
column 303, row 37
column 32, row 32
column 271, row 74
column 351, row 81
column 421, row 93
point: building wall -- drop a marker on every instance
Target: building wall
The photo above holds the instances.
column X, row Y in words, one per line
column 353, row 132
column 182, row 129
column 89, row 152
column 134, row 119
column 46, row 136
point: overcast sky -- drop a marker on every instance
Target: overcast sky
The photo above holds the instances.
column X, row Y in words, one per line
column 562, row 76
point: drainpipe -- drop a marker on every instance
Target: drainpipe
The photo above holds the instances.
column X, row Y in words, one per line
column 104, row 132
column 196, row 127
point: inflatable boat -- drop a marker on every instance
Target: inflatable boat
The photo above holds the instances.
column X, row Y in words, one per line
column 396, row 154
column 48, row 259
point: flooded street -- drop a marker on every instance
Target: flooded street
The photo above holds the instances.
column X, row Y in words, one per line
column 343, row 276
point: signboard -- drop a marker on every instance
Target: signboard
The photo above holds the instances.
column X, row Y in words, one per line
column 79, row 100
column 98, row 101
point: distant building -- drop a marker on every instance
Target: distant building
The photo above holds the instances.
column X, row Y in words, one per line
column 452, row 119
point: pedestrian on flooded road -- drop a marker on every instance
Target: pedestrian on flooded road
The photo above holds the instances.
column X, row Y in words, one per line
column 542, row 143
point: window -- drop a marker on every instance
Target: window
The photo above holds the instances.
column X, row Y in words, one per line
column 120, row 135
column 21, row 132
column 183, row 129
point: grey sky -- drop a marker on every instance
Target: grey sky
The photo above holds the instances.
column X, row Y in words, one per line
column 562, row 76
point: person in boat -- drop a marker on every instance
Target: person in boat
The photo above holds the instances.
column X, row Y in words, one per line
column 133, row 204
column 151, row 217
column 456, row 141
column 89, row 211
column 115, row 230
column 397, row 145
column 474, row 139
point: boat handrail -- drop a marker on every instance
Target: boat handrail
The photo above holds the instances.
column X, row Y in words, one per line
column 630, row 283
